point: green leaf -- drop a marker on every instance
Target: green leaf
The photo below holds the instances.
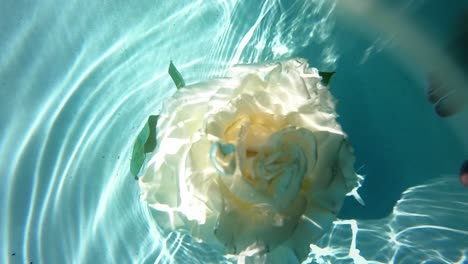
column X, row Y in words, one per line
column 144, row 143
column 150, row 144
column 176, row 76
column 326, row 76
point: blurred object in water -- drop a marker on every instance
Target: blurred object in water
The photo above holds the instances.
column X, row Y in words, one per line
column 464, row 173
column 447, row 99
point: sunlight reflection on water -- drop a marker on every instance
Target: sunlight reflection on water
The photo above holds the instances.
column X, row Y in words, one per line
column 426, row 225
column 77, row 81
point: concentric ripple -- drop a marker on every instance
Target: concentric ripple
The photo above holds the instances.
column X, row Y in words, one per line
column 78, row 80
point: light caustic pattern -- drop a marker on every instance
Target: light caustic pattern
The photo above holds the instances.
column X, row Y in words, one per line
column 427, row 225
column 77, row 81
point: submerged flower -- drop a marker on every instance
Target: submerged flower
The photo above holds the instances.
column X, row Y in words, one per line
column 253, row 162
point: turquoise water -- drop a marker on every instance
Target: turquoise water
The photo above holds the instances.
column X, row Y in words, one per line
column 78, row 80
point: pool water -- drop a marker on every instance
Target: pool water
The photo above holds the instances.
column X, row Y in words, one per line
column 78, row 80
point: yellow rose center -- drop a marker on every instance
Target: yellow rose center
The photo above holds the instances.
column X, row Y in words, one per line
column 258, row 127
column 250, row 133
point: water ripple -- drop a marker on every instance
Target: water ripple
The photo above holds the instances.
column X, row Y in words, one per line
column 425, row 226
column 78, row 80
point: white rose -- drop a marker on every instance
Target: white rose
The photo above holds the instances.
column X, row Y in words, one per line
column 252, row 161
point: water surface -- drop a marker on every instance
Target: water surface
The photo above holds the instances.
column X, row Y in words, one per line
column 79, row 78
